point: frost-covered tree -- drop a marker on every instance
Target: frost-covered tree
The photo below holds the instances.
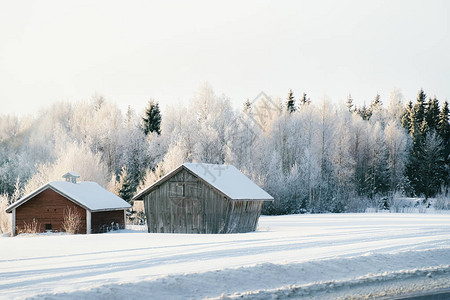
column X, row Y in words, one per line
column 242, row 138
column 100, row 127
column 343, row 165
column 321, row 158
column 349, row 103
column 395, row 107
column 396, row 145
column 325, row 139
column 76, row 157
column 377, row 174
column 364, row 112
column 247, row 107
column 213, row 116
column 5, row 218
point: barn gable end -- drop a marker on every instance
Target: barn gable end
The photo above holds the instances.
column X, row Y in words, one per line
column 47, row 208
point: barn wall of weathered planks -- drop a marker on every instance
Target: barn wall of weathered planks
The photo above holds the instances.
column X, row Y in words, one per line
column 47, row 208
column 186, row 204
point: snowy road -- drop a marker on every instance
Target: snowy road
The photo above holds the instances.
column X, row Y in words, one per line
column 316, row 256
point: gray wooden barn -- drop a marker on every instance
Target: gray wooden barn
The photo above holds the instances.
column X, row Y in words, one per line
column 203, row 198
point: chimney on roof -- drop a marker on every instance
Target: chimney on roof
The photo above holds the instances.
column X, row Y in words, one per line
column 71, row 177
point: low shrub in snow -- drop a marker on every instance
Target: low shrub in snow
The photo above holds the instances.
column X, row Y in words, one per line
column 72, row 221
column 5, row 219
column 441, row 203
column 30, row 228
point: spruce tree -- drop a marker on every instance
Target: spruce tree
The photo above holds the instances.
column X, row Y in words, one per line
column 443, row 123
column 376, row 103
column 443, row 129
column 406, row 116
column 431, row 167
column 305, row 101
column 443, row 126
column 290, row 103
column 432, row 113
column 152, row 119
column 418, row 168
column 126, row 188
column 350, row 103
column 417, row 116
column 364, row 112
column 247, row 107
column 418, row 113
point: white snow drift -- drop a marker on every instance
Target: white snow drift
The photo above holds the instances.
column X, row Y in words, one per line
column 289, row 255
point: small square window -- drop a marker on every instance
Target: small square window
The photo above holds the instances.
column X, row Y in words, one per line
column 48, row 226
column 176, row 190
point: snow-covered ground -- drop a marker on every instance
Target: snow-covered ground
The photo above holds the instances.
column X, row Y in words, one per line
column 313, row 256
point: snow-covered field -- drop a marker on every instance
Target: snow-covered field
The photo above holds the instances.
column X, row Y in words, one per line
column 313, row 256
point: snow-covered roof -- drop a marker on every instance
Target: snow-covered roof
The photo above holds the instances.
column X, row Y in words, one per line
column 71, row 174
column 87, row 194
column 225, row 178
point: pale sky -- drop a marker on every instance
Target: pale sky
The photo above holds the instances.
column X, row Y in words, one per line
column 131, row 51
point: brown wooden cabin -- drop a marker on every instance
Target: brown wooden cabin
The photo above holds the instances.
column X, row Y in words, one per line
column 203, row 198
column 98, row 208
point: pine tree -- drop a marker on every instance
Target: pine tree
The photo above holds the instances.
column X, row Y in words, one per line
column 247, row 107
column 290, row 103
column 152, row 119
column 424, row 129
column 305, row 101
column 364, row 112
column 443, row 129
column 432, row 113
column 98, row 101
column 418, row 112
column 406, row 116
column 377, row 172
column 431, row 166
column 443, row 125
column 350, row 103
column 418, row 131
column 125, row 188
column 417, row 116
column 376, row 103
column 129, row 117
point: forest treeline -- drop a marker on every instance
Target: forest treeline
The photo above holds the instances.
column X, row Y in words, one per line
column 311, row 156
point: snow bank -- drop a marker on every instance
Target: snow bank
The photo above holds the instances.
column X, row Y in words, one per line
column 301, row 254
column 263, row 281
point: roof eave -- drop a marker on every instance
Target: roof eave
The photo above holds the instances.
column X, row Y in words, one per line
column 109, row 209
column 268, row 200
column 157, row 183
column 24, row 199
column 44, row 187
